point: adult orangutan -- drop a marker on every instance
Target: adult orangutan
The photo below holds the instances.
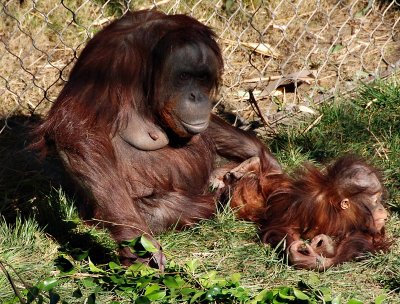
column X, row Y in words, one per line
column 324, row 218
column 134, row 129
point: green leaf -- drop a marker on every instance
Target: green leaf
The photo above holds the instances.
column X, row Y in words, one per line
column 117, row 280
column 142, row 300
column 156, row 295
column 88, row 282
column 337, row 300
column 300, row 295
column 326, row 292
column 192, row 265
column 264, row 295
column 140, row 269
column 78, row 254
column 64, row 265
column 235, row 278
column 77, row 293
column 94, row 269
column 380, row 299
column 54, row 297
column 48, row 284
column 197, row 296
column 91, row 299
column 285, row 293
column 151, row 288
column 147, row 244
column 170, row 282
column 114, row 266
column 181, row 282
column 130, row 243
column 277, row 301
column 187, row 291
column 212, row 293
column 354, row 301
column 210, row 279
column 33, row 292
column 240, row 293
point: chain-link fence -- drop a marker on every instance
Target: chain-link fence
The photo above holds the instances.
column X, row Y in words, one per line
column 290, row 54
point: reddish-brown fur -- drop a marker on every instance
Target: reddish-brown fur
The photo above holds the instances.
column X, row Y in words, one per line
column 307, row 205
column 133, row 191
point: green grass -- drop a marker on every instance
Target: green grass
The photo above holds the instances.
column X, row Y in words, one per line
column 367, row 124
column 24, row 250
column 44, row 242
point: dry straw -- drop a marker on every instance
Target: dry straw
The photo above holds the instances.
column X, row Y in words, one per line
column 290, row 54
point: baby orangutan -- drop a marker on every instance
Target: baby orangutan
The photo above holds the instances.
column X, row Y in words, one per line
column 326, row 217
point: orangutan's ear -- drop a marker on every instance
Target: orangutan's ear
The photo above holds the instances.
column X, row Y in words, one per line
column 345, row 204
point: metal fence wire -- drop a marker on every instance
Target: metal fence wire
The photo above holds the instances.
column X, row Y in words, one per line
column 290, row 54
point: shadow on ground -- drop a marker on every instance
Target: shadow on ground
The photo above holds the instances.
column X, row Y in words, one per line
column 29, row 186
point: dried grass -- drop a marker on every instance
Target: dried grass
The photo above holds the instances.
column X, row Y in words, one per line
column 261, row 42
